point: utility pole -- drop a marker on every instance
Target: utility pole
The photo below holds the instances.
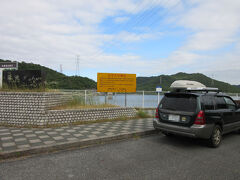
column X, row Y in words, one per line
column 212, row 81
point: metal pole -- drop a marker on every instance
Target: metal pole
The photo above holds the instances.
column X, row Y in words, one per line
column 125, row 99
column 1, row 77
column 85, row 97
column 105, row 98
column 158, row 98
column 143, row 100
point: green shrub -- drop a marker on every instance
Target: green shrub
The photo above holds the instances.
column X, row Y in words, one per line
column 142, row 114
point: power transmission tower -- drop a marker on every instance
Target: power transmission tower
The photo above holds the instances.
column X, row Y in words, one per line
column 61, row 68
column 77, row 66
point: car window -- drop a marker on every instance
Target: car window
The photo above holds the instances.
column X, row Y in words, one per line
column 208, row 102
column 220, row 103
column 179, row 102
column 230, row 103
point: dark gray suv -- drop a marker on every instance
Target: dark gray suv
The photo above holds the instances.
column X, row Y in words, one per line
column 197, row 114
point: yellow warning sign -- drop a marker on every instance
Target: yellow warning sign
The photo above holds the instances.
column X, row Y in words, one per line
column 116, row 82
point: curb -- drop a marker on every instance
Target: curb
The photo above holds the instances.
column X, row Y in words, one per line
column 70, row 145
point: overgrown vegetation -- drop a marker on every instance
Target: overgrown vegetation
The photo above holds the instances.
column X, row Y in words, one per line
column 71, row 106
column 14, row 88
column 142, row 114
column 56, row 80
column 78, row 102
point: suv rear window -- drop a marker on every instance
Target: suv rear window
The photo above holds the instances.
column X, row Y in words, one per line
column 208, row 102
column 221, row 104
column 179, row 102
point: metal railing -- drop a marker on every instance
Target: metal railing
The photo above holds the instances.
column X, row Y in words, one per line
column 139, row 99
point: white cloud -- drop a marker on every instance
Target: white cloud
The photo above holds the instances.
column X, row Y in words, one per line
column 133, row 37
column 121, row 19
column 214, row 24
column 51, row 32
column 54, row 32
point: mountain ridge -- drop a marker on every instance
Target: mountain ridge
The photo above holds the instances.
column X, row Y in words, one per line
column 150, row 83
column 57, row 80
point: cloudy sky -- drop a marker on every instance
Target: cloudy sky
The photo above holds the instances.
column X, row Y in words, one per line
column 146, row 37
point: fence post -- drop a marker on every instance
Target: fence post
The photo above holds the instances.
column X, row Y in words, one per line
column 105, row 98
column 1, row 78
column 125, row 99
column 115, row 100
column 143, row 100
column 85, row 97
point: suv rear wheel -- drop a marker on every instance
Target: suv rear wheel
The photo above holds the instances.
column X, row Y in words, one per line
column 167, row 134
column 216, row 137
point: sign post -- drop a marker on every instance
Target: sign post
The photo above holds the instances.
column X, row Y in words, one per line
column 116, row 82
column 158, row 90
column 6, row 65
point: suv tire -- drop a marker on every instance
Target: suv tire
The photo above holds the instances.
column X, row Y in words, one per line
column 216, row 137
column 167, row 134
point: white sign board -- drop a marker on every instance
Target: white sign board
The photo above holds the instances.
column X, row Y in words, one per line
column 158, row 89
column 6, row 65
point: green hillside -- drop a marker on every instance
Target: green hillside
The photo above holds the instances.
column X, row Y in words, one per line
column 58, row 80
column 150, row 83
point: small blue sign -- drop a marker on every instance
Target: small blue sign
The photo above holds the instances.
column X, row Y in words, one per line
column 159, row 89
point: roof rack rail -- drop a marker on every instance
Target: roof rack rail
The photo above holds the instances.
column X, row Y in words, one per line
column 207, row 89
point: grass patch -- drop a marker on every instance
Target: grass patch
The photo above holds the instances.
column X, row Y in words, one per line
column 76, row 106
column 5, row 89
column 78, row 102
column 142, row 114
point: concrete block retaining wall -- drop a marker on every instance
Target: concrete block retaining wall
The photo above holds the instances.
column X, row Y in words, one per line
column 28, row 108
column 70, row 116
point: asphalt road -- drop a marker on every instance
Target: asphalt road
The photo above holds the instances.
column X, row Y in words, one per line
column 153, row 157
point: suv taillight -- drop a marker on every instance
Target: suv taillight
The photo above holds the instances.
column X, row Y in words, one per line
column 200, row 119
column 156, row 114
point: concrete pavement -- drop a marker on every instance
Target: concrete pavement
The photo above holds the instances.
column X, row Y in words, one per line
column 17, row 142
column 148, row 158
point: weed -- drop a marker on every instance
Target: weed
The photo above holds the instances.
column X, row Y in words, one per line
column 142, row 114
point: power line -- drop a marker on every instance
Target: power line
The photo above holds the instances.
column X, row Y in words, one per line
column 141, row 19
column 139, row 16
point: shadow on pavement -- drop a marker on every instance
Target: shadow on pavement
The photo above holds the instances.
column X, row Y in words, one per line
column 186, row 142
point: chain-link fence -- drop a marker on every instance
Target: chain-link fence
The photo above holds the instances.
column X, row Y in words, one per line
column 139, row 99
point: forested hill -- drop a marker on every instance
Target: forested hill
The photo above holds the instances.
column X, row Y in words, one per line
column 58, row 80
column 150, row 83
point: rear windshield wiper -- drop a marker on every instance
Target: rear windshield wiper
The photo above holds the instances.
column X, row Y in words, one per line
column 170, row 109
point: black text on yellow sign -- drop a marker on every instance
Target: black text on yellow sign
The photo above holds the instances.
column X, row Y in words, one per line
column 116, row 82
